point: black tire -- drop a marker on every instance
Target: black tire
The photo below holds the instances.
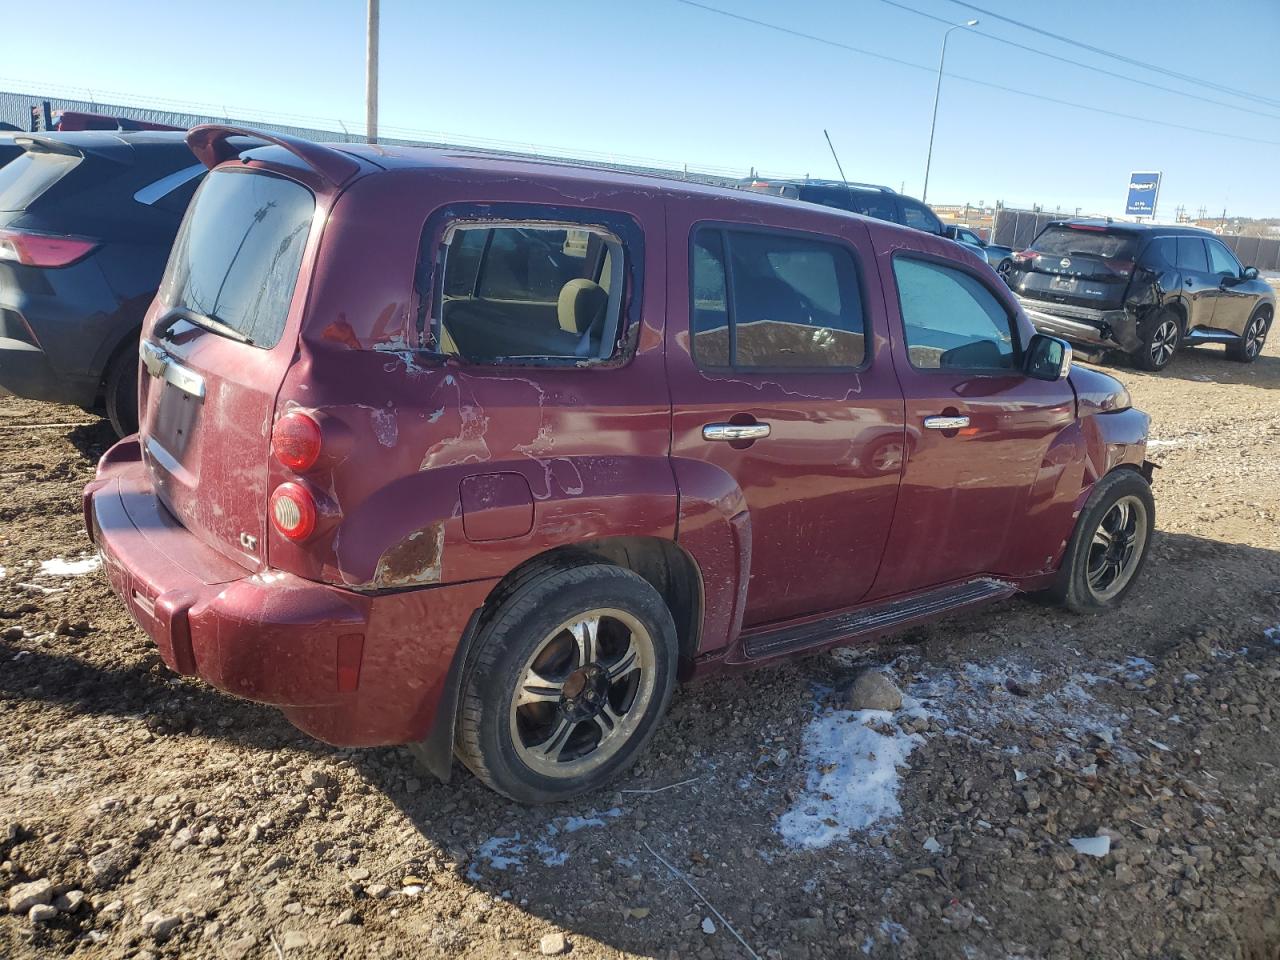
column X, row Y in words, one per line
column 1003, row 269
column 528, row 623
column 1161, row 338
column 1075, row 588
column 120, row 394
column 1247, row 348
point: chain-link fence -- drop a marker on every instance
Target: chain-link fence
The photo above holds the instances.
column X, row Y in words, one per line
column 1018, row 228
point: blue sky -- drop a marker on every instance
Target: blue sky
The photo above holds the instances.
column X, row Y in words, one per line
column 665, row 81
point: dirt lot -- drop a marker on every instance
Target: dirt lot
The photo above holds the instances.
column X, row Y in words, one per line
column 767, row 820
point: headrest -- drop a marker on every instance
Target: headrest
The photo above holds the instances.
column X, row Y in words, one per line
column 582, row 302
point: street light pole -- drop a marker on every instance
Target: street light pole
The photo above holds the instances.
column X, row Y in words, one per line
column 924, row 196
column 371, row 75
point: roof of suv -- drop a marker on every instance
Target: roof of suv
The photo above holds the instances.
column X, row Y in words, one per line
column 404, row 157
column 811, row 182
column 1126, row 226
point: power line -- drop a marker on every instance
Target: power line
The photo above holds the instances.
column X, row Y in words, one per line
column 974, row 80
column 1086, row 66
column 1186, row 78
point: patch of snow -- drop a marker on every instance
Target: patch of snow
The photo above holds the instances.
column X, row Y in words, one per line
column 574, row 824
column 1092, row 846
column 978, row 699
column 60, row 567
column 853, row 758
column 1190, row 677
column 1135, row 669
column 504, row 853
column 1271, row 633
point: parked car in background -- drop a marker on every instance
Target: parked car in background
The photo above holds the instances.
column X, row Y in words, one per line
column 1142, row 289
column 882, row 203
column 478, row 453
column 1000, row 258
column 86, row 224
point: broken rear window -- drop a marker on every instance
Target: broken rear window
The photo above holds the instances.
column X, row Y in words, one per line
column 530, row 291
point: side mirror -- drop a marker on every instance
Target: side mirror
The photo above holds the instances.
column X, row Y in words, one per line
column 949, row 232
column 1249, row 273
column 1047, row 358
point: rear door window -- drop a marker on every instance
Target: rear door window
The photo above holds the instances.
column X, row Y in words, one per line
column 1191, row 255
column 951, row 320
column 24, row 180
column 236, row 259
column 774, row 300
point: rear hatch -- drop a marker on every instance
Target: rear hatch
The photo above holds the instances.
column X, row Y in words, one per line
column 1078, row 264
column 217, row 350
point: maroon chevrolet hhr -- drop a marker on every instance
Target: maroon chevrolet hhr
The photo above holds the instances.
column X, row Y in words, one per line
column 479, row 454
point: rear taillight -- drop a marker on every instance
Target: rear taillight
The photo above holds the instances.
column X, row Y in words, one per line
column 1025, row 256
column 296, row 441
column 293, row 510
column 42, row 249
column 1121, row 268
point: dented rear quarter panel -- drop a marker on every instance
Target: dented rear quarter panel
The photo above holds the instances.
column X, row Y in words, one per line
column 590, row 442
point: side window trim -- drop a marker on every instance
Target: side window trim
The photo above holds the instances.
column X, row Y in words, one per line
column 1015, row 334
column 730, row 298
column 724, row 229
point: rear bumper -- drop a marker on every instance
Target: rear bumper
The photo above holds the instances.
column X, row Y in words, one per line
column 350, row 669
column 1099, row 329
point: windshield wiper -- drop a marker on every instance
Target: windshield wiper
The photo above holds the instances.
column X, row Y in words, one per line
column 212, row 324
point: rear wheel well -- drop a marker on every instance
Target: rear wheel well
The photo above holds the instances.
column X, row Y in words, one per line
column 1179, row 310
column 662, row 563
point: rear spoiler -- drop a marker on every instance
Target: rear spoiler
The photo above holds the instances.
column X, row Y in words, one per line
column 116, row 151
column 211, row 145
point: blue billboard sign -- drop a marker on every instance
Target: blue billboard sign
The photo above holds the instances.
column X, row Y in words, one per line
column 1144, row 191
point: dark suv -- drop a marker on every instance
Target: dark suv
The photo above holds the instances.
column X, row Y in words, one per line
column 1143, row 289
column 86, row 224
column 479, row 454
column 870, row 200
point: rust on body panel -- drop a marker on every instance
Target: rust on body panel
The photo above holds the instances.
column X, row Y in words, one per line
column 413, row 561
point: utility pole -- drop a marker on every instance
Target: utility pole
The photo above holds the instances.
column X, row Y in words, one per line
column 942, row 59
column 371, row 75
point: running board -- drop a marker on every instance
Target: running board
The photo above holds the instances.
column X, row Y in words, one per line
column 880, row 618
column 1210, row 336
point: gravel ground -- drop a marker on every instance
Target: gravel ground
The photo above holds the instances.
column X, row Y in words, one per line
column 142, row 815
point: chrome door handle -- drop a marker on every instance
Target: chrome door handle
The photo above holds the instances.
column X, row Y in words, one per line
column 946, row 423
column 735, row 431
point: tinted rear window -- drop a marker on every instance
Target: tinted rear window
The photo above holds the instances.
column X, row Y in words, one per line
column 1071, row 242
column 23, row 180
column 237, row 255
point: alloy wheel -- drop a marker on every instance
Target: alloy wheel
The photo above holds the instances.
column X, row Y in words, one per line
column 1164, row 342
column 1255, row 336
column 583, row 693
column 1117, row 547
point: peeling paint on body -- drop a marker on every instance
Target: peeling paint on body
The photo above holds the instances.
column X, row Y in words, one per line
column 415, row 560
